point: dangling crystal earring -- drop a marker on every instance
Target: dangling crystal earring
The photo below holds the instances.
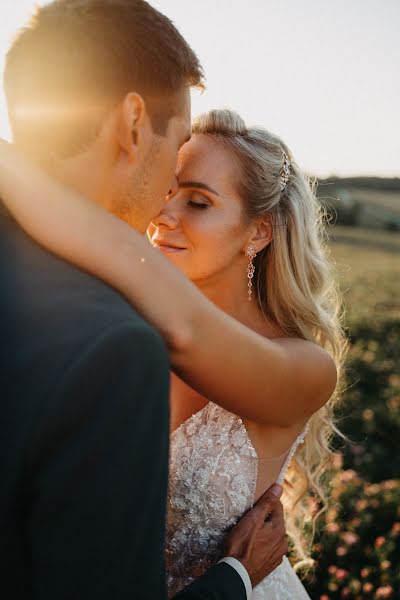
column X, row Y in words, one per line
column 251, row 253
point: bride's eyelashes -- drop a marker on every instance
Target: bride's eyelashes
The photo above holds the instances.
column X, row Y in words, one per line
column 200, row 205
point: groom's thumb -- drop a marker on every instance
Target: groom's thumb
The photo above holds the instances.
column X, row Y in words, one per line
column 276, row 490
column 268, row 501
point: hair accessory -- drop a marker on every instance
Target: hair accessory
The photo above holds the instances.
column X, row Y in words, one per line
column 285, row 173
column 251, row 253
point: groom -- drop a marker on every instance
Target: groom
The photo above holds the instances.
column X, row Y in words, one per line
column 98, row 93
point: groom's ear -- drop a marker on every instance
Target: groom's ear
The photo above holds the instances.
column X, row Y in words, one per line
column 134, row 126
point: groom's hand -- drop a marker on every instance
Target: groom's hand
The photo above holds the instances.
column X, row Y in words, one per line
column 258, row 541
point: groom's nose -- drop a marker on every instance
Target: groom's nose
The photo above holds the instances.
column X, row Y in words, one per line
column 174, row 186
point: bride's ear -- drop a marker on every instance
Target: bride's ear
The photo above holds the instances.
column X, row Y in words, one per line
column 262, row 234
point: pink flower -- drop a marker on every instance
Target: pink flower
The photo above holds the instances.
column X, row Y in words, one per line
column 368, row 356
column 332, row 528
column 341, row 574
column 347, row 476
column 379, row 541
column 345, row 593
column 338, row 460
column 332, row 586
column 384, row 592
column 385, row 564
column 361, row 504
column 318, row 547
column 389, row 484
column 350, row 538
column 368, row 414
column 324, row 597
column 332, row 569
column 341, row 551
column 364, row 572
column 396, row 528
column 357, row 449
column 373, row 488
column 368, row 587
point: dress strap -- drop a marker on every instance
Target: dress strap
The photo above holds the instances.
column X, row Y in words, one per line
column 296, row 444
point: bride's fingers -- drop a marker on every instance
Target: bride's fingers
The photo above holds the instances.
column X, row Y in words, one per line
column 8, row 153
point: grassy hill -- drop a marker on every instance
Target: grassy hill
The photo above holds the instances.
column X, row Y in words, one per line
column 368, row 266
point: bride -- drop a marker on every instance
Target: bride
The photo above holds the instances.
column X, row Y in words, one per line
column 255, row 341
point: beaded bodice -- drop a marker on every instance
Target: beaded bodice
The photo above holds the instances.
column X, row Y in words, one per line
column 213, row 476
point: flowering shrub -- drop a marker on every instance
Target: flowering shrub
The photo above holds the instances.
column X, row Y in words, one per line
column 357, row 547
column 357, row 544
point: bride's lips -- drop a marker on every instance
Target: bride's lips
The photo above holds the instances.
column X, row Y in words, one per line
column 167, row 247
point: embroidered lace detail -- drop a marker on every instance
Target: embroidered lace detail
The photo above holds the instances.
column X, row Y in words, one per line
column 213, row 477
column 300, row 440
column 281, row 584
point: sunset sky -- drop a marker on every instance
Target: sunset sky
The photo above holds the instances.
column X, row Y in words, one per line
column 323, row 74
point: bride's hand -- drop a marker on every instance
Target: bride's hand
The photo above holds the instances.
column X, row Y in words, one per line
column 28, row 192
column 4, row 151
column 7, row 150
column 12, row 164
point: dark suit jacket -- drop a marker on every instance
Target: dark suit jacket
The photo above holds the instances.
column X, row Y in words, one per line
column 83, row 438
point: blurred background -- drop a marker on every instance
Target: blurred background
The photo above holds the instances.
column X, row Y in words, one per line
column 324, row 75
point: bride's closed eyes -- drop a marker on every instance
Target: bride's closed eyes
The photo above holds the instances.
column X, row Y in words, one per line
column 198, row 205
column 194, row 199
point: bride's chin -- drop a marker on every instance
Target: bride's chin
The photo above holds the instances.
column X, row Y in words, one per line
column 178, row 261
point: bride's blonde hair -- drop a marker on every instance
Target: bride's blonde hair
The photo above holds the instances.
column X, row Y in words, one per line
column 296, row 289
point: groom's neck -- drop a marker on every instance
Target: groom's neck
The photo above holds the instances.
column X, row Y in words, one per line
column 85, row 172
column 79, row 175
column 3, row 210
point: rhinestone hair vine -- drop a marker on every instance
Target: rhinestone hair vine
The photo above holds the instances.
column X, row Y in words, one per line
column 285, row 173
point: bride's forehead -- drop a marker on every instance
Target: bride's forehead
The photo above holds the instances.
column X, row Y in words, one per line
column 204, row 154
column 217, row 170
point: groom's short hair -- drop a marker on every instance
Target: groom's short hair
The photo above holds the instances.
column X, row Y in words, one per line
column 77, row 59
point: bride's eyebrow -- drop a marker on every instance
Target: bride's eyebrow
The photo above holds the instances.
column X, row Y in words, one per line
column 198, row 185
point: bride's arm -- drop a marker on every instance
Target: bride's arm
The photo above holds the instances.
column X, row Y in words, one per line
column 278, row 382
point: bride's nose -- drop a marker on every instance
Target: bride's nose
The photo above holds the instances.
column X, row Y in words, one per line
column 168, row 217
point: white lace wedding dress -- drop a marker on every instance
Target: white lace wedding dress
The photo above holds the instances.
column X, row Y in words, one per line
column 213, row 478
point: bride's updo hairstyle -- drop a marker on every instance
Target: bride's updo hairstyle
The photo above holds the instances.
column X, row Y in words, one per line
column 296, row 289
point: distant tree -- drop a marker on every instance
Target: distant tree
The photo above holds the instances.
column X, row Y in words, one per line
column 371, row 183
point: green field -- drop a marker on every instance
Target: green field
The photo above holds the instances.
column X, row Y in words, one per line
column 368, row 267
